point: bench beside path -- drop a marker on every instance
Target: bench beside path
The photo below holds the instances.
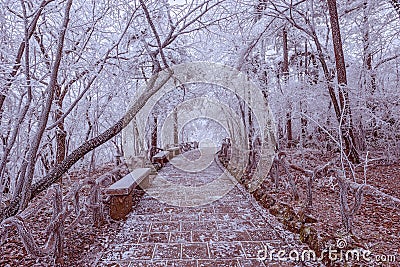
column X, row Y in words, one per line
column 228, row 232
column 121, row 192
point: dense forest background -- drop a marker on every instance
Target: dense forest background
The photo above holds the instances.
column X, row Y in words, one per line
column 329, row 70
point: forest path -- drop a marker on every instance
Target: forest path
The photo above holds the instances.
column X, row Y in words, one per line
column 228, row 231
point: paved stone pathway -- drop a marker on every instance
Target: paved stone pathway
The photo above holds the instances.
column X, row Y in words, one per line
column 227, row 232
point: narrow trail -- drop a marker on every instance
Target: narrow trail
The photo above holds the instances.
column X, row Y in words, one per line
column 228, row 231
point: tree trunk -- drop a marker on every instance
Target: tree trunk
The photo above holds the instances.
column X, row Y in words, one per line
column 369, row 76
column 303, row 108
column 153, row 141
column 176, row 129
column 289, row 131
column 285, row 66
column 250, row 140
column 345, row 116
column 26, row 180
column 60, row 130
column 304, row 123
column 58, row 231
column 285, row 75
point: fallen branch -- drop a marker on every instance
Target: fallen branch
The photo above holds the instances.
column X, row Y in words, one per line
column 375, row 192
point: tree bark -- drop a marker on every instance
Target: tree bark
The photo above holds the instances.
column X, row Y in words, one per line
column 289, row 131
column 153, row 150
column 345, row 119
column 61, row 134
column 285, row 75
column 285, row 66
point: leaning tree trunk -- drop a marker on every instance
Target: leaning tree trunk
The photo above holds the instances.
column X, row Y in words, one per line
column 345, row 119
column 55, row 173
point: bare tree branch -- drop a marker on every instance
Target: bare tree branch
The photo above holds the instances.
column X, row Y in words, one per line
column 24, row 184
